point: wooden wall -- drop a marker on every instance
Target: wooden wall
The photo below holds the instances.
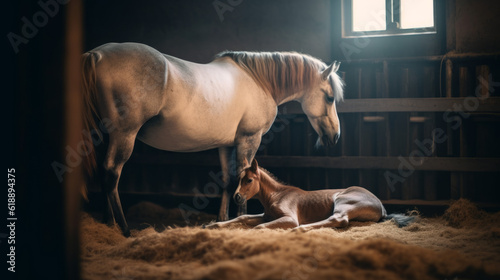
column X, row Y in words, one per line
column 398, row 91
column 196, row 30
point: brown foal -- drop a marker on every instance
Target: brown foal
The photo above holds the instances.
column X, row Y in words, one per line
column 291, row 207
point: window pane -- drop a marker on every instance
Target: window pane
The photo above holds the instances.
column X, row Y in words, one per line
column 368, row 15
column 417, row 13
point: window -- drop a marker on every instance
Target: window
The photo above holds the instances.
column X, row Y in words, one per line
column 370, row 18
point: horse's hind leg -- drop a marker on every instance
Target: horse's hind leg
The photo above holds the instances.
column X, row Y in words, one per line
column 345, row 212
column 119, row 150
column 107, row 214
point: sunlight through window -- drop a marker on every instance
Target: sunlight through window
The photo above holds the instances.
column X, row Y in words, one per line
column 417, row 14
column 368, row 15
column 380, row 18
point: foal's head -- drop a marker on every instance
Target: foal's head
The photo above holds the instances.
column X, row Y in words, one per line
column 249, row 184
column 319, row 105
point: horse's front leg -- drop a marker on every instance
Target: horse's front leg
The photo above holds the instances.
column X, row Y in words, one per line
column 246, row 148
column 247, row 220
column 227, row 157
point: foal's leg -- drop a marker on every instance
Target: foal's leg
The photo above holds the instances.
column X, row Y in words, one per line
column 345, row 212
column 119, row 151
column 339, row 219
column 249, row 220
column 283, row 223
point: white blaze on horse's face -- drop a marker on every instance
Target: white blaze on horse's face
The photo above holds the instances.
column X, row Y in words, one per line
column 319, row 106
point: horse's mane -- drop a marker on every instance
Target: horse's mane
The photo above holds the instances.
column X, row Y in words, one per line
column 279, row 73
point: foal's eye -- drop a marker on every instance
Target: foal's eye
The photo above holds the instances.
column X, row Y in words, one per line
column 249, row 180
column 329, row 99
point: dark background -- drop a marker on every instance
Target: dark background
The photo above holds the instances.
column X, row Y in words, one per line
column 38, row 107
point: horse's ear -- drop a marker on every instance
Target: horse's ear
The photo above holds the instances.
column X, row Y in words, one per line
column 334, row 67
column 255, row 166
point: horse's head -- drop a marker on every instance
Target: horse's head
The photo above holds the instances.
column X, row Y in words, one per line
column 249, row 184
column 319, row 105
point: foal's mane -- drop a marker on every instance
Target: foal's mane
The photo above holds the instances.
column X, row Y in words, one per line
column 281, row 73
column 272, row 176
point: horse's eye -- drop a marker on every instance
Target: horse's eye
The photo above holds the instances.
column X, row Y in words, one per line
column 250, row 180
column 329, row 99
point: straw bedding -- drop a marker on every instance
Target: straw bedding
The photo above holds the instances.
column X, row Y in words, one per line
column 464, row 243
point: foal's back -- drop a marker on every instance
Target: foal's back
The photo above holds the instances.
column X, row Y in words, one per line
column 313, row 206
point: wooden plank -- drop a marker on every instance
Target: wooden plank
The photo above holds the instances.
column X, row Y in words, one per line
column 449, row 78
column 488, row 105
column 417, row 202
column 389, row 163
column 345, row 162
column 433, row 203
column 72, row 109
column 450, row 25
column 431, row 58
column 484, row 72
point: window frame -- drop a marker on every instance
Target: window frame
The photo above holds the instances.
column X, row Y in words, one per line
column 392, row 19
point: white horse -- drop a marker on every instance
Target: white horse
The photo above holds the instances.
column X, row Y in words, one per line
column 133, row 91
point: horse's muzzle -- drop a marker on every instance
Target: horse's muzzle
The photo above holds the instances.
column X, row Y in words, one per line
column 239, row 199
column 330, row 141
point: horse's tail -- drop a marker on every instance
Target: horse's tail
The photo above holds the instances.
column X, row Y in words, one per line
column 90, row 114
column 401, row 220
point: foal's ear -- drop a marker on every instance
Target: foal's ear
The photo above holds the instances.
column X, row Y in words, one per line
column 246, row 165
column 255, row 166
column 334, row 67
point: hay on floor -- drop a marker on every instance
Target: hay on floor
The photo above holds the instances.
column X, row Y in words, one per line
column 463, row 243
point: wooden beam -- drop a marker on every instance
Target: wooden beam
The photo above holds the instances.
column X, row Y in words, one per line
column 432, row 58
column 347, row 162
column 389, row 163
column 488, row 105
column 73, row 126
column 419, row 202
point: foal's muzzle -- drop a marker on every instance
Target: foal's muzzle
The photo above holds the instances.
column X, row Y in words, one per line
column 239, row 199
